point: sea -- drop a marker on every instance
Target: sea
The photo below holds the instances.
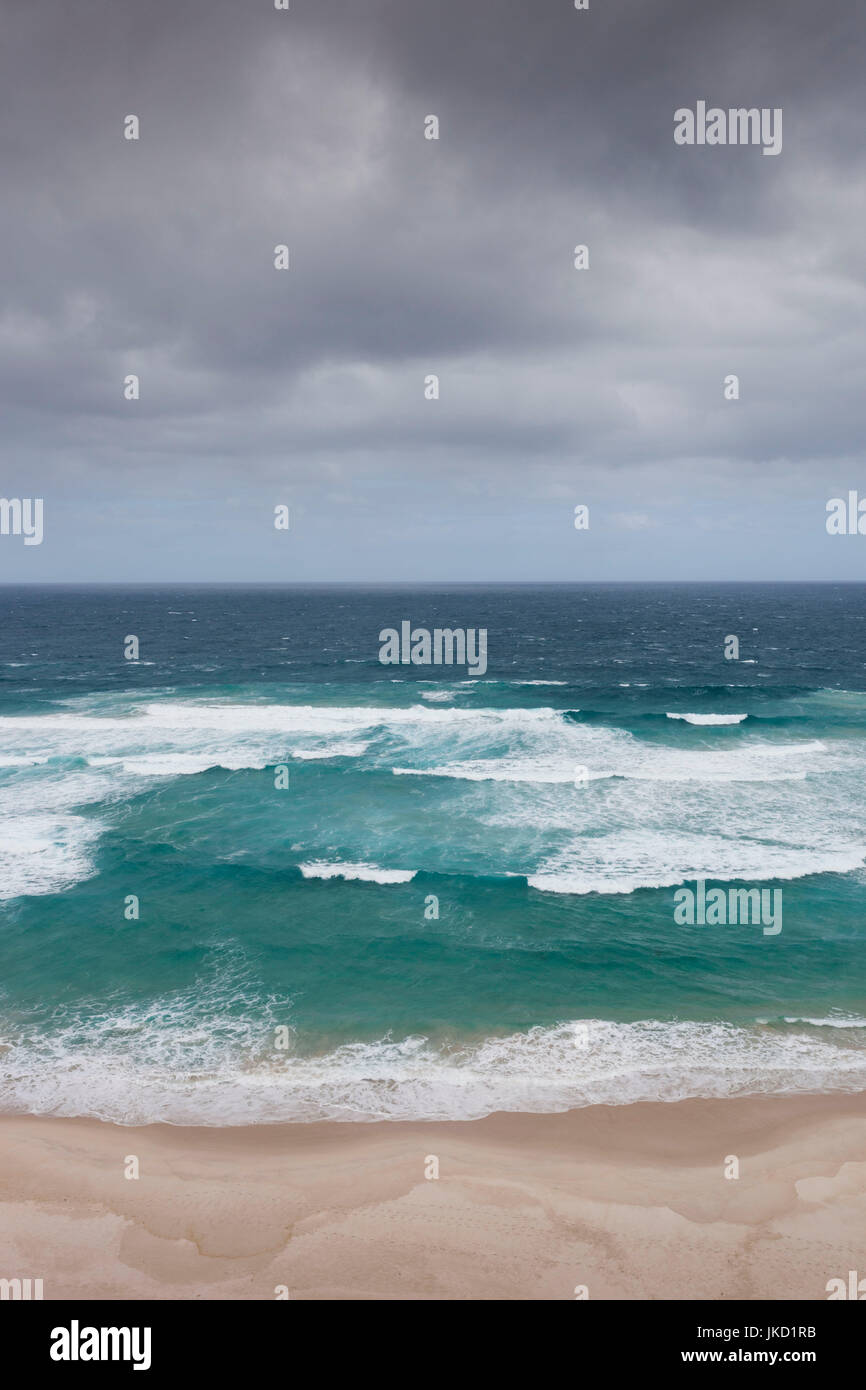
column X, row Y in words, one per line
column 255, row 875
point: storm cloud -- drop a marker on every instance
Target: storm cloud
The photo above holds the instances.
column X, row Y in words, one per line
column 412, row 257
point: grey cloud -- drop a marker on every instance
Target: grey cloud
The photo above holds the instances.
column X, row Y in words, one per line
column 411, row 257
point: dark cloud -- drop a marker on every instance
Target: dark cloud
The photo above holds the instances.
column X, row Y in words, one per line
column 412, row 257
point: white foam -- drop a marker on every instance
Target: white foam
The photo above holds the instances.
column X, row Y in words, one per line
column 57, row 791
column 188, row 764
column 175, row 1065
column 325, row 719
column 622, row 831
column 45, row 853
column 553, row 771
column 143, row 728
column 331, row 750
column 835, row 1020
column 366, row 873
column 609, row 753
column 624, row 861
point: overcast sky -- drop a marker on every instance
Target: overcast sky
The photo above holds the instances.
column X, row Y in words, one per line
column 410, row 257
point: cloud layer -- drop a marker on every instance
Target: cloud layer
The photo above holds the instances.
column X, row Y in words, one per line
column 411, row 257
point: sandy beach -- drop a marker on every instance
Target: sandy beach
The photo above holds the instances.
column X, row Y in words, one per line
column 631, row 1202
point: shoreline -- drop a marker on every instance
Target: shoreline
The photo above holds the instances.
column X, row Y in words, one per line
column 630, row 1201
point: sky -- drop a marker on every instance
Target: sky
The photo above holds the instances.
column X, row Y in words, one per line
column 410, row 257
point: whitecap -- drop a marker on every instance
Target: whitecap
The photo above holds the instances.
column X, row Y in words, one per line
column 365, row 873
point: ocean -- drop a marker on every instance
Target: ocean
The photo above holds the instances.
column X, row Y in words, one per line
column 436, row 918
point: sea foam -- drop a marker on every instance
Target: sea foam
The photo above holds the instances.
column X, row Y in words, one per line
column 156, row 1066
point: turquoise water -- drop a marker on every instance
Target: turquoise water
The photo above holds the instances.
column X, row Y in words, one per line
column 288, row 960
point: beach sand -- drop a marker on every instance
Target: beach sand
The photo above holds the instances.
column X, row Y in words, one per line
column 630, row 1201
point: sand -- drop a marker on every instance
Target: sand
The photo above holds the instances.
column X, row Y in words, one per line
column 631, row 1202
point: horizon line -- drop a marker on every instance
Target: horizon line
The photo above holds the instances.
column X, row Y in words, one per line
column 391, row 583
